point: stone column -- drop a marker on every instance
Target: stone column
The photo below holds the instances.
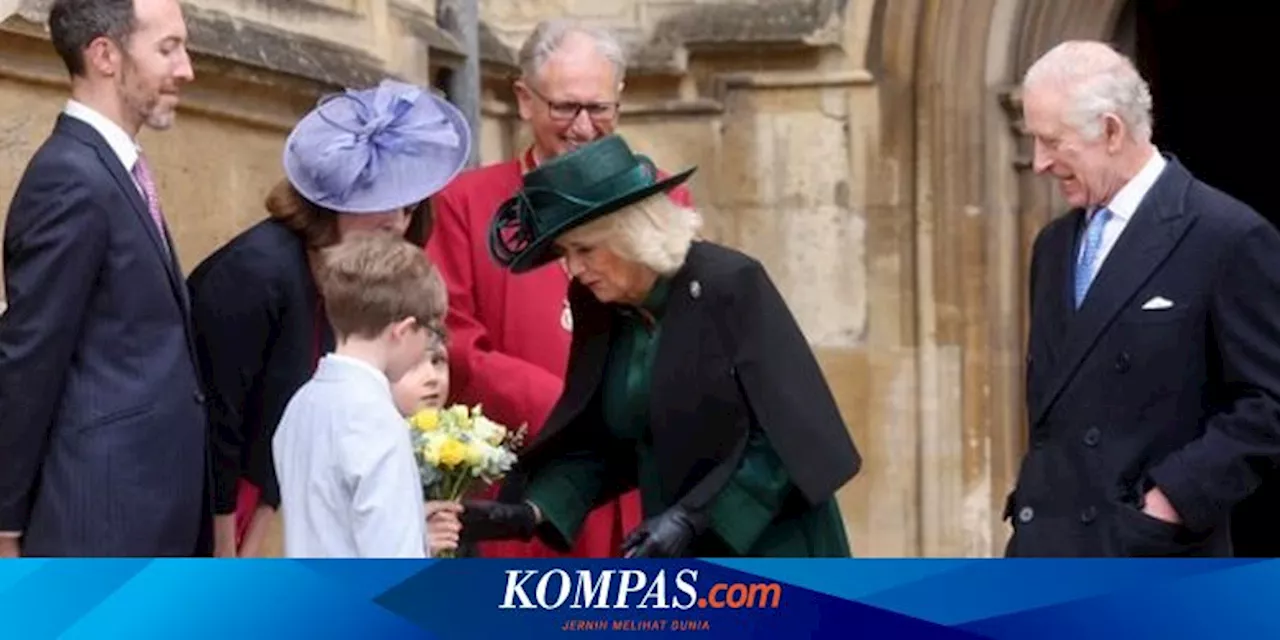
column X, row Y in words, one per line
column 977, row 220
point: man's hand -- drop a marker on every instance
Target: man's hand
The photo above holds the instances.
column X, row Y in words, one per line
column 224, row 536
column 443, row 526
column 1158, row 506
column 10, row 547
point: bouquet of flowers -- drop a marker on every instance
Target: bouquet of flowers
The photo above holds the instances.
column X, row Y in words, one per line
column 458, row 447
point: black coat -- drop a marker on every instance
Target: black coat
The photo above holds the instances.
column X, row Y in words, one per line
column 731, row 357
column 259, row 331
column 101, row 423
column 1121, row 399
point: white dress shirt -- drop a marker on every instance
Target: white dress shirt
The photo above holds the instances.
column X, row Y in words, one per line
column 125, row 148
column 1125, row 204
column 349, row 483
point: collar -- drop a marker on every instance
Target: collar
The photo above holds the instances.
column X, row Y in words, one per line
column 347, row 363
column 125, row 148
column 654, row 304
column 528, row 161
column 1126, row 201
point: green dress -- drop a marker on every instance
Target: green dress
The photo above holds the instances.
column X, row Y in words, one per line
column 759, row 513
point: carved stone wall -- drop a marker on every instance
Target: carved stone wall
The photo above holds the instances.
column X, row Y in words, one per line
column 866, row 151
column 977, row 211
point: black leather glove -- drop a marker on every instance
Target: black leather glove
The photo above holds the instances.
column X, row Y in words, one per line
column 665, row 536
column 489, row 520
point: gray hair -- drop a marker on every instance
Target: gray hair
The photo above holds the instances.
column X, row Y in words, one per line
column 73, row 24
column 1099, row 80
column 550, row 34
column 655, row 232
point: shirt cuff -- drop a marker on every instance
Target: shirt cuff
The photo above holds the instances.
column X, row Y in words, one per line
column 10, row 534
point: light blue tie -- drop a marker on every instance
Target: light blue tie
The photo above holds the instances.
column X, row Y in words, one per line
column 1085, row 266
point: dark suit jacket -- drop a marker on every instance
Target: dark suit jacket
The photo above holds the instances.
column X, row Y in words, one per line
column 730, row 357
column 1121, row 399
column 259, row 332
column 101, row 417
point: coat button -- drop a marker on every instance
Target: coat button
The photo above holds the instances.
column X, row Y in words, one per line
column 695, row 289
column 1088, row 514
column 1092, row 437
column 1122, row 362
column 1026, row 514
column 199, row 397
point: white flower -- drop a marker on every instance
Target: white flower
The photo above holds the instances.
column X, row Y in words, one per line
column 488, row 430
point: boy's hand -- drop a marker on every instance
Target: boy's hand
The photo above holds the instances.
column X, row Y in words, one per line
column 443, row 526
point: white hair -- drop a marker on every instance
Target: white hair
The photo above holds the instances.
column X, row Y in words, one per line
column 655, row 232
column 550, row 34
column 1098, row 80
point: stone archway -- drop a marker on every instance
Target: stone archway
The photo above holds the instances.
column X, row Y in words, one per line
column 977, row 210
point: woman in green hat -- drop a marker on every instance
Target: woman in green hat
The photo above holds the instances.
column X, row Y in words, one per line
column 688, row 378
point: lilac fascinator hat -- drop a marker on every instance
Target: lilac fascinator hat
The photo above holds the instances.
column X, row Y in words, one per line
column 376, row 149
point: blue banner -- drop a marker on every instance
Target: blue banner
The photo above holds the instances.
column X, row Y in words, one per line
column 491, row 599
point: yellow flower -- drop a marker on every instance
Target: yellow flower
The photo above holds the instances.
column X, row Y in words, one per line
column 426, row 420
column 452, row 453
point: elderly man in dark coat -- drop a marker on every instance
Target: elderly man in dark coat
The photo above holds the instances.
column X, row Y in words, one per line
column 1153, row 383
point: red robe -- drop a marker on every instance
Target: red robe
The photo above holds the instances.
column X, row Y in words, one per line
column 508, row 347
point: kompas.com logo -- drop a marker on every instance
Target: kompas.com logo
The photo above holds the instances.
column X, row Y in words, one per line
column 631, row 588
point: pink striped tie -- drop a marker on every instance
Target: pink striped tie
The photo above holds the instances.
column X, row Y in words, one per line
column 143, row 175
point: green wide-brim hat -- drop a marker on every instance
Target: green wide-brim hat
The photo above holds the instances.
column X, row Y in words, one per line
column 567, row 192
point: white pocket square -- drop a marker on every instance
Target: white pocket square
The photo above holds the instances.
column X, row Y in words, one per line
column 1157, row 303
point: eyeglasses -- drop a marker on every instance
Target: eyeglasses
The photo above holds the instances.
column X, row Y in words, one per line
column 565, row 111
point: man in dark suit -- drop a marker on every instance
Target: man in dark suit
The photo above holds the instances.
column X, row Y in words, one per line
column 101, row 418
column 1153, row 382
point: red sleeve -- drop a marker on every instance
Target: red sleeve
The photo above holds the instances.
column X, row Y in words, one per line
column 513, row 391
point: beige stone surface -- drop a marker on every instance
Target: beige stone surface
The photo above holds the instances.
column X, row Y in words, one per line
column 869, row 162
column 208, row 199
column 30, row 110
column 212, row 169
column 512, row 20
column 346, row 21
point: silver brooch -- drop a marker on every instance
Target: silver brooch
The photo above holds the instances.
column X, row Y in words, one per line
column 695, row 289
column 566, row 317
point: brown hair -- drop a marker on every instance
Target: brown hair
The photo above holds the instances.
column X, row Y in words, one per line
column 372, row 280
column 318, row 226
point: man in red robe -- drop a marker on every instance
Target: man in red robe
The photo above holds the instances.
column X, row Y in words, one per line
column 509, row 335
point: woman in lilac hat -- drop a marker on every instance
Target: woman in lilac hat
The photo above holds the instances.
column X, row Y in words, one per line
column 360, row 161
